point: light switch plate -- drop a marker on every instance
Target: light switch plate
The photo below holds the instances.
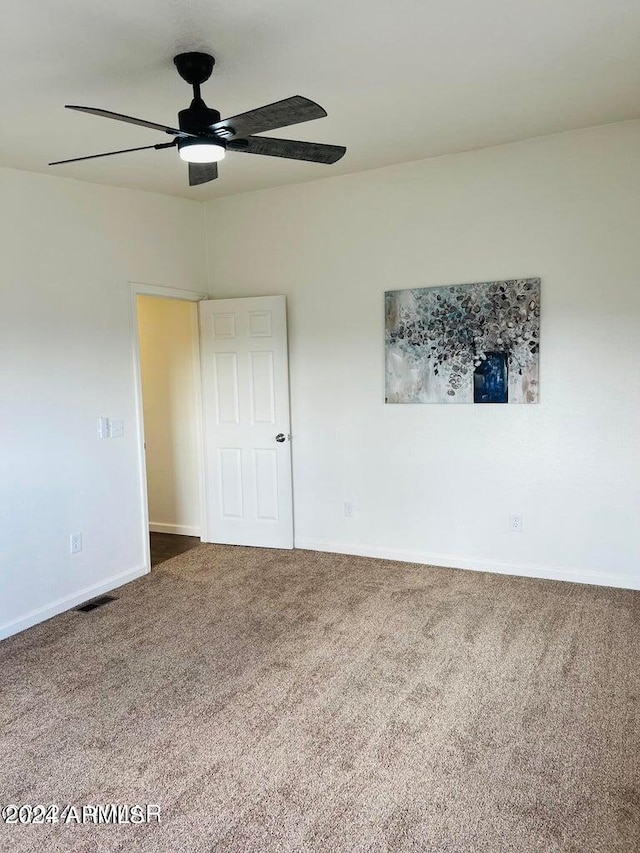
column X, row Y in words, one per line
column 103, row 427
column 116, row 428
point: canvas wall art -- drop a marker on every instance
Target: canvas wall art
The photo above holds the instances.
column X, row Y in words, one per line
column 463, row 343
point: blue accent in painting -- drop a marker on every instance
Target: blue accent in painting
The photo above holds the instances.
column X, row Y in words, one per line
column 490, row 379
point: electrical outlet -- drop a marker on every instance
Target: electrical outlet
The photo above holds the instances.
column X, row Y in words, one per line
column 348, row 509
column 515, row 522
column 75, row 543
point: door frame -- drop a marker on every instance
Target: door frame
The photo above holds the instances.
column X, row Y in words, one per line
column 141, row 289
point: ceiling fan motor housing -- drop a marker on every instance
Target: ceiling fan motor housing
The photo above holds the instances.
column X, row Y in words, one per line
column 198, row 117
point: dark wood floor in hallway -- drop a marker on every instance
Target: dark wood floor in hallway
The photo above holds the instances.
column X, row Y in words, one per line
column 164, row 546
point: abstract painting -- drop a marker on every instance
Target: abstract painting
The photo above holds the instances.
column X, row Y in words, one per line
column 463, row 343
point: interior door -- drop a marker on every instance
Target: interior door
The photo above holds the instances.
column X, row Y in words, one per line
column 245, row 395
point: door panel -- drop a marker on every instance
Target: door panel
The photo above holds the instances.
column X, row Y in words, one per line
column 226, row 388
column 230, row 482
column 245, row 390
column 263, row 398
column 266, row 475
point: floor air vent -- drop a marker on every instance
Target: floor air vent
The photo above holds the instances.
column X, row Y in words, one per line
column 96, row 602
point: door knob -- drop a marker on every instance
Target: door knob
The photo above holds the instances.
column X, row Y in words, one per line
column 281, row 437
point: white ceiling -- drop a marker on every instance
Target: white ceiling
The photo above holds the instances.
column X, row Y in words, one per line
column 401, row 79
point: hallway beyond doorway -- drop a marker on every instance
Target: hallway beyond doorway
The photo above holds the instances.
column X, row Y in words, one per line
column 164, row 546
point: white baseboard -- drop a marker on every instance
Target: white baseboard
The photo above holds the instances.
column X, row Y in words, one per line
column 453, row 561
column 180, row 529
column 69, row 601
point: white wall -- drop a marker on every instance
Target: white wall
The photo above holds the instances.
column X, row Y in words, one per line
column 67, row 253
column 168, row 337
column 436, row 483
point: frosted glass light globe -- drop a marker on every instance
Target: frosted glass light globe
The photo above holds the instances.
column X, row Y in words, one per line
column 202, row 152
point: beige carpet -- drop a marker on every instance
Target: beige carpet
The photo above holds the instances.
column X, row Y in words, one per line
column 295, row 701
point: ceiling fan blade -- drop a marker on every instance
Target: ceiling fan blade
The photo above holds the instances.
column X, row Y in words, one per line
column 315, row 152
column 110, row 153
column 280, row 114
column 139, row 121
column 202, row 173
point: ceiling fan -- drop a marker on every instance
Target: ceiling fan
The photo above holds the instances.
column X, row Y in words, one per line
column 202, row 137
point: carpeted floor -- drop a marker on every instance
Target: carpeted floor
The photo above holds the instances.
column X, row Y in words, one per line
column 295, row 701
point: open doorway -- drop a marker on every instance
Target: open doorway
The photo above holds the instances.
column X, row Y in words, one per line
column 243, row 471
column 168, row 356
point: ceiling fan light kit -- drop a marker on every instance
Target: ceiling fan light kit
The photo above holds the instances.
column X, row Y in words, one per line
column 203, row 137
column 195, row 151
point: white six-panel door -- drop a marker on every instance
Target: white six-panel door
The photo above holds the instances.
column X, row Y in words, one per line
column 245, row 391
